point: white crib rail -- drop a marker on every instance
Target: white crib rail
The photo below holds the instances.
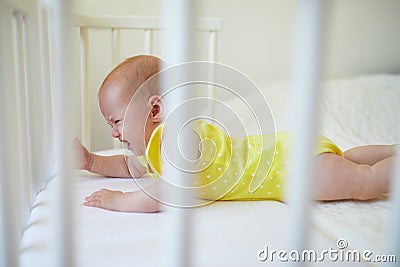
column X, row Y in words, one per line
column 23, row 122
column 178, row 49
column 148, row 25
column 9, row 156
column 393, row 245
column 64, row 102
column 305, row 92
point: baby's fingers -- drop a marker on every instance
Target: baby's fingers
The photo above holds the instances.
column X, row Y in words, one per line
column 93, row 203
column 95, row 199
column 104, row 198
column 100, row 192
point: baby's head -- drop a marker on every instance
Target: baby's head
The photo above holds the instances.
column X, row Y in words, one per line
column 145, row 110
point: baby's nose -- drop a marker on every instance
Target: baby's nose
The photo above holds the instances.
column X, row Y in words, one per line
column 115, row 132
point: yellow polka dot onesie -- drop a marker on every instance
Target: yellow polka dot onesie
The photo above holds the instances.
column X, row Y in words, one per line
column 236, row 168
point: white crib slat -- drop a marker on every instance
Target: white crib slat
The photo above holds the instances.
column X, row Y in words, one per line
column 10, row 217
column 36, row 104
column 148, row 41
column 394, row 230
column 62, row 211
column 177, row 45
column 44, row 61
column 212, row 56
column 115, row 47
column 306, row 65
column 85, row 102
column 22, row 131
column 212, row 49
column 32, row 105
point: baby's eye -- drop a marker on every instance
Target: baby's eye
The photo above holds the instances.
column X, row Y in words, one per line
column 115, row 123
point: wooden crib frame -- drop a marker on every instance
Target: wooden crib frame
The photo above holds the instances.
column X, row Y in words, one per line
column 34, row 82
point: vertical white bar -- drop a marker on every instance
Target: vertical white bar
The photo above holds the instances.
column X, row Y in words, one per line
column 115, row 47
column 9, row 173
column 19, row 81
column 148, row 41
column 52, row 72
column 36, row 105
column 44, row 63
column 212, row 46
column 62, row 210
column 212, row 56
column 178, row 39
column 10, row 222
column 305, row 95
column 394, row 230
column 85, row 103
column 28, row 46
column 177, row 49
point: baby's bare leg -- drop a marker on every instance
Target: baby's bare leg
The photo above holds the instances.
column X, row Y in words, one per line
column 340, row 178
column 370, row 154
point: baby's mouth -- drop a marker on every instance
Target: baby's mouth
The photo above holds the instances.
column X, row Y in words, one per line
column 130, row 147
column 126, row 144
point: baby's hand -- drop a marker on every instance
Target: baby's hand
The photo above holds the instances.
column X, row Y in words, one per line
column 105, row 199
column 83, row 157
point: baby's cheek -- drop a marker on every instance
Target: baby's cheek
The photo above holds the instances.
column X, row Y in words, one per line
column 127, row 132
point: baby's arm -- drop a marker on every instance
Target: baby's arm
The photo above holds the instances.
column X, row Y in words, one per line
column 137, row 201
column 112, row 166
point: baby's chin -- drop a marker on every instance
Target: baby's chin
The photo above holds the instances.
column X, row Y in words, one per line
column 134, row 150
column 128, row 146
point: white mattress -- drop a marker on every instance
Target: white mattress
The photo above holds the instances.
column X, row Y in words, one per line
column 224, row 233
column 227, row 233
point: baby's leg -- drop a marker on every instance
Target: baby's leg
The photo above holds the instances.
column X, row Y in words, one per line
column 340, row 178
column 370, row 154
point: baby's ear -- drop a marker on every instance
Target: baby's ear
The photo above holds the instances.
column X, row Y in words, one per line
column 156, row 108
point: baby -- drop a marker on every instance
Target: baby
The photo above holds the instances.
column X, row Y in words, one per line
column 360, row 173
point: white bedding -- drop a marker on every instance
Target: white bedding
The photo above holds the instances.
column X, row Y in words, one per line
column 224, row 233
column 354, row 112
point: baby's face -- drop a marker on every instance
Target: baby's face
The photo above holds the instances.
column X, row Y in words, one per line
column 137, row 126
column 127, row 120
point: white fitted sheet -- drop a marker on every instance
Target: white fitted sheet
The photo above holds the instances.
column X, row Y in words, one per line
column 224, row 233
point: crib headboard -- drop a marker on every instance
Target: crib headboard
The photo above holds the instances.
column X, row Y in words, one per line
column 148, row 26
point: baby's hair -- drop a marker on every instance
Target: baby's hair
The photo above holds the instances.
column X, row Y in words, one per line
column 133, row 72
